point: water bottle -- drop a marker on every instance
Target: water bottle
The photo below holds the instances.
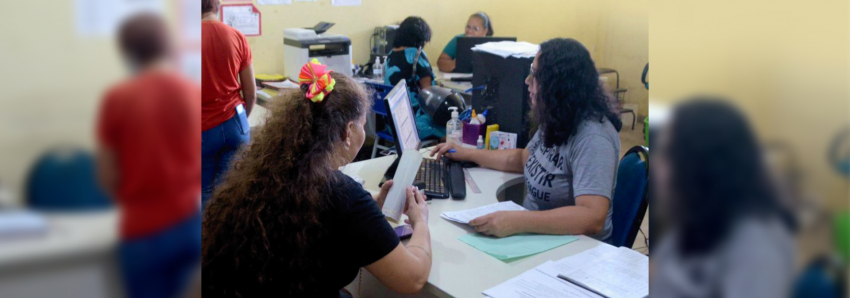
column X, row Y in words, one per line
column 454, row 128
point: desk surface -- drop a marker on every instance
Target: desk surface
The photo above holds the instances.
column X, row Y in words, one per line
column 69, row 235
column 459, row 270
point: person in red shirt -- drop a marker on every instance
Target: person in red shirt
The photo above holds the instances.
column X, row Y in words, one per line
column 148, row 137
column 226, row 71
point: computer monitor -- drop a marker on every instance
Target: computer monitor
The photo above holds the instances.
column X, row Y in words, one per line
column 463, row 57
column 401, row 117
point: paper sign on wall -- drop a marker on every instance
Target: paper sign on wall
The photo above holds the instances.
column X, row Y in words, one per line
column 345, row 2
column 274, row 2
column 243, row 17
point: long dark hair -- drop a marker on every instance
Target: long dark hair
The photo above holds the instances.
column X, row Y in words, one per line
column 262, row 221
column 570, row 92
column 486, row 20
column 718, row 173
column 413, row 32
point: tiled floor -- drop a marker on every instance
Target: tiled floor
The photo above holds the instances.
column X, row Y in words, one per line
column 628, row 139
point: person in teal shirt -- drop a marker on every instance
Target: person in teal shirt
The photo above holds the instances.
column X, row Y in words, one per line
column 478, row 25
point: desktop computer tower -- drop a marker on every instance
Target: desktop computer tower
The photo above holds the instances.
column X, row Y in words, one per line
column 505, row 94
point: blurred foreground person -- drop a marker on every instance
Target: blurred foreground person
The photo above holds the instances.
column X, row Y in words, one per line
column 148, row 160
column 728, row 235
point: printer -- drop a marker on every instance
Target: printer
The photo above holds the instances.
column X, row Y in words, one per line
column 301, row 45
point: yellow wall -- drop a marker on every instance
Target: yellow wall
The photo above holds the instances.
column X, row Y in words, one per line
column 784, row 63
column 615, row 31
column 53, row 81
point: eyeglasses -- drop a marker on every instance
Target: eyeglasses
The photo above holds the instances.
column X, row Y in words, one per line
column 473, row 28
column 531, row 70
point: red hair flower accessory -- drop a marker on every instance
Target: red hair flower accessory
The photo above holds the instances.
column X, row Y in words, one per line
column 319, row 79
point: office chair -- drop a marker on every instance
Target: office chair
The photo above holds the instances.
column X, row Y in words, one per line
column 65, row 179
column 619, row 94
column 380, row 91
column 630, row 196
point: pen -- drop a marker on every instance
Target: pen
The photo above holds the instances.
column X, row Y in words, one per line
column 451, row 151
column 570, row 280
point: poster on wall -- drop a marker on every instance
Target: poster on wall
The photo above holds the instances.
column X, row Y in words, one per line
column 243, row 17
column 274, row 2
column 101, row 18
column 345, row 2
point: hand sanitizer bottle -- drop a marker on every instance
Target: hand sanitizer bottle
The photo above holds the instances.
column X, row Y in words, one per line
column 454, row 128
column 480, row 143
column 378, row 69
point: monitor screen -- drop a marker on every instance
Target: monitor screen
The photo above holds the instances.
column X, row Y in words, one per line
column 404, row 124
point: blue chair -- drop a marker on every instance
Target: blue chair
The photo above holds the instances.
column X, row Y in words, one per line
column 379, row 92
column 630, row 196
column 64, row 179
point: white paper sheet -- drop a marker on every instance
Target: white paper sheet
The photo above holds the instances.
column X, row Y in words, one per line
column 464, row 216
column 345, row 2
column 242, row 17
column 274, row 2
column 535, row 284
column 452, row 75
column 101, row 18
column 614, row 272
column 408, row 166
column 509, row 48
column 285, row 84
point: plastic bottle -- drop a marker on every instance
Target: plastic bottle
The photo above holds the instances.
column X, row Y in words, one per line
column 378, row 69
column 454, row 128
column 474, row 119
column 480, row 143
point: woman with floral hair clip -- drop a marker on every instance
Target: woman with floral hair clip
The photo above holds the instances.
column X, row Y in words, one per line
column 285, row 222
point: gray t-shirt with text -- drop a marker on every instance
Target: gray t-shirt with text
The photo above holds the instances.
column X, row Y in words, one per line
column 585, row 165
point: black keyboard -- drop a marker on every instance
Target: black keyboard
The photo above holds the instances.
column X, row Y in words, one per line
column 432, row 173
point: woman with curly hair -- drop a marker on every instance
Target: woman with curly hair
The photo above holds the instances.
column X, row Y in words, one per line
column 570, row 164
column 286, row 223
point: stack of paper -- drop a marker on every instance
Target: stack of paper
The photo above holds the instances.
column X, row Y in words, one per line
column 604, row 271
column 20, row 223
column 465, row 216
column 505, row 49
column 285, row 84
column 619, row 273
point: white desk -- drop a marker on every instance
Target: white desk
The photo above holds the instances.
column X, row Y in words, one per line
column 76, row 257
column 459, row 270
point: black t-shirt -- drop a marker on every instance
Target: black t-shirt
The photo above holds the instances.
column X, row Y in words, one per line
column 357, row 235
column 352, row 233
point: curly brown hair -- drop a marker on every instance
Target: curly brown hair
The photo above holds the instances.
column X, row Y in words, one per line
column 263, row 218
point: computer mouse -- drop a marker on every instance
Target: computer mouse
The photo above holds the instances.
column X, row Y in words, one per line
column 419, row 184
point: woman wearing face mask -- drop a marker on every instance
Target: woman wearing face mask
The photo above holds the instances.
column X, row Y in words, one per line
column 571, row 162
column 478, row 25
column 286, row 223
